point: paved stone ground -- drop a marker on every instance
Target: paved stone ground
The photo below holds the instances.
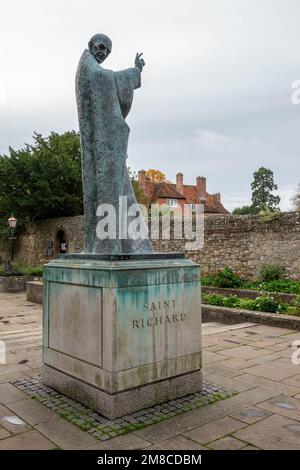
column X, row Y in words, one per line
column 254, row 360
column 103, row 428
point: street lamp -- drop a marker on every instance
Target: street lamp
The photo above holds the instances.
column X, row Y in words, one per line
column 12, row 222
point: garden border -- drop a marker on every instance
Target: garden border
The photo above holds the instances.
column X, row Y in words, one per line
column 236, row 315
column 15, row 283
column 248, row 293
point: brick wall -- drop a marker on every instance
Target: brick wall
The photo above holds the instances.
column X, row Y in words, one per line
column 245, row 243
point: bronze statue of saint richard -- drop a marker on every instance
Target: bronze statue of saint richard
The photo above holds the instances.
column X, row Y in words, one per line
column 104, row 100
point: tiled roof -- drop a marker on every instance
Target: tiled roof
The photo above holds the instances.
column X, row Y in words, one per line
column 166, row 190
column 214, row 206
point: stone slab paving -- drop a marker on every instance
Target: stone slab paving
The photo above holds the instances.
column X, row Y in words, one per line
column 227, row 443
column 30, row 440
column 251, row 415
column 209, row 414
column 254, row 360
column 283, row 405
column 294, row 381
column 95, row 424
column 215, row 430
column 176, row 443
column 279, row 387
column 273, row 433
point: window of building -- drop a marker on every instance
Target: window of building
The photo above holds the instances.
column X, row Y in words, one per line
column 191, row 207
column 172, row 202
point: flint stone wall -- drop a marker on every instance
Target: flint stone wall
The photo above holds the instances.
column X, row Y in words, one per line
column 15, row 283
column 245, row 243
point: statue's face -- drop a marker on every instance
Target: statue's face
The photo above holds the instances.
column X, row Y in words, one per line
column 100, row 47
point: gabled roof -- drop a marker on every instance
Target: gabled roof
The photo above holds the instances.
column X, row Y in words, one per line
column 191, row 195
column 214, row 206
column 166, row 190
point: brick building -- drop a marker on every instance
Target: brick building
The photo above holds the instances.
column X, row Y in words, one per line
column 179, row 194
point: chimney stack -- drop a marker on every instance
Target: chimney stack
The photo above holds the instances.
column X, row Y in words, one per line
column 201, row 186
column 217, row 197
column 179, row 182
column 142, row 178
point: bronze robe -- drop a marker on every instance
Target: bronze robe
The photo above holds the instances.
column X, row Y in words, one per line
column 104, row 99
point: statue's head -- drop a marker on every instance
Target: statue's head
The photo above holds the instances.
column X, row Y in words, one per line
column 100, row 47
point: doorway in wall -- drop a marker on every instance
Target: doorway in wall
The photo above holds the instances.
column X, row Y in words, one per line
column 61, row 242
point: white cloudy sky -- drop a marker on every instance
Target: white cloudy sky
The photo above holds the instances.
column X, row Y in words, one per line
column 216, row 94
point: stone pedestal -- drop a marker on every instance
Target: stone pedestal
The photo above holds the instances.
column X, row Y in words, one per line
column 120, row 336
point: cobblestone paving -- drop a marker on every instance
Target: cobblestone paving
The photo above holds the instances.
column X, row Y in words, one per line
column 103, row 428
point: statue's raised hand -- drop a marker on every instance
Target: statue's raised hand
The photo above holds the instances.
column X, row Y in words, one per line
column 139, row 62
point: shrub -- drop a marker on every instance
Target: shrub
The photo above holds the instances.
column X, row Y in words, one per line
column 29, row 270
column 227, row 278
column 268, row 215
column 23, row 270
column 293, row 311
column 262, row 304
column 232, row 301
column 224, row 278
column 271, row 272
column 296, row 302
column 213, row 299
column 288, row 286
column 247, row 304
column 266, row 304
column 208, row 280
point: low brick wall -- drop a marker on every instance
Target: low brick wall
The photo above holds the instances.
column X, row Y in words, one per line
column 34, row 292
column 248, row 293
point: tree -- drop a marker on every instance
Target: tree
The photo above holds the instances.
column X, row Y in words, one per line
column 262, row 187
column 156, row 176
column 138, row 190
column 244, row 210
column 41, row 180
column 296, row 199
